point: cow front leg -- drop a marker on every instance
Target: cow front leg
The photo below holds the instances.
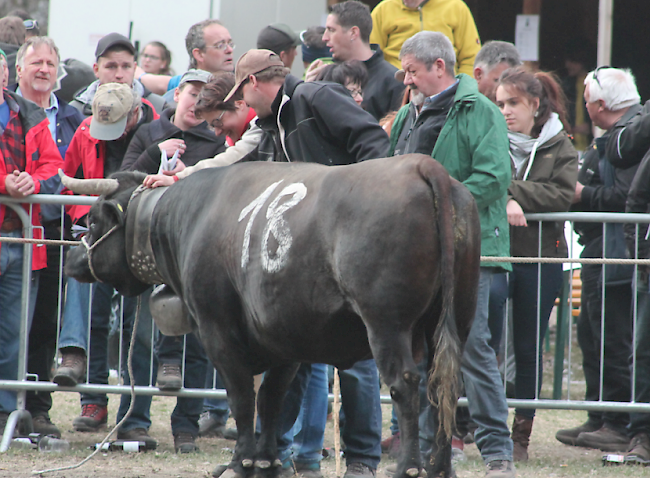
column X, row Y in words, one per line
column 278, row 405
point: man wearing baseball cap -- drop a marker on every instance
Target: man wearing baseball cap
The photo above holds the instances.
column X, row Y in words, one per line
column 115, row 63
column 96, row 151
column 316, row 122
column 281, row 40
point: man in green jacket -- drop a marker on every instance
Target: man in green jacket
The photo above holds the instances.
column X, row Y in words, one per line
column 467, row 134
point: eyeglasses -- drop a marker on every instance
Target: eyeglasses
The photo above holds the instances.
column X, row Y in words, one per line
column 216, row 123
column 30, row 24
column 355, row 91
column 146, row 56
column 222, row 45
column 604, row 67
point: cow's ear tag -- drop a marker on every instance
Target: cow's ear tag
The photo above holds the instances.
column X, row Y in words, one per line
column 119, row 206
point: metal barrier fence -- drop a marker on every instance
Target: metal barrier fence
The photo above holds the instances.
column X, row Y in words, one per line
column 563, row 332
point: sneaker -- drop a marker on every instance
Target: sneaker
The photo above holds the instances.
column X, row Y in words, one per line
column 230, row 434
column 308, row 470
column 457, row 453
column 569, row 436
column 391, row 446
column 500, row 469
column 169, row 376
column 605, row 439
column 139, row 434
column 209, row 426
column 184, row 443
column 93, row 417
column 72, row 369
column 43, row 425
column 639, row 451
column 359, row 470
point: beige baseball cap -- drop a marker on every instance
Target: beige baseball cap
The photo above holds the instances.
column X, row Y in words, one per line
column 111, row 107
column 250, row 63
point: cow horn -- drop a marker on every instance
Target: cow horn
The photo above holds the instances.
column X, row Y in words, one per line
column 89, row 186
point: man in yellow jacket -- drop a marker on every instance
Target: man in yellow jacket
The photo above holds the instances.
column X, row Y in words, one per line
column 395, row 21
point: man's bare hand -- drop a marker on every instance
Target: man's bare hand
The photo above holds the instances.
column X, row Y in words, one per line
column 158, row 180
column 19, row 184
column 314, row 70
column 577, row 197
column 515, row 214
column 171, row 145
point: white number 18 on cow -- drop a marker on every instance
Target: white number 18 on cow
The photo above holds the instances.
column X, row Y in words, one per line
column 276, row 225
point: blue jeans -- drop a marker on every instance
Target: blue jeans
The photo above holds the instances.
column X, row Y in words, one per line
column 523, row 286
column 485, row 394
column 11, row 285
column 305, row 439
column 185, row 417
column 74, row 333
column 217, row 407
column 640, row 422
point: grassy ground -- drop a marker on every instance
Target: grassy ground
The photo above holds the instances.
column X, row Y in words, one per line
column 548, row 457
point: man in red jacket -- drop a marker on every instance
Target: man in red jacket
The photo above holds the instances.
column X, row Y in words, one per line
column 96, row 151
column 29, row 156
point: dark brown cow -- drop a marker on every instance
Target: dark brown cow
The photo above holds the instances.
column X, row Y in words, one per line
column 276, row 264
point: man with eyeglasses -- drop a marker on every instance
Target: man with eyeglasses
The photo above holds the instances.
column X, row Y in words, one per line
column 115, row 63
column 612, row 100
column 209, row 47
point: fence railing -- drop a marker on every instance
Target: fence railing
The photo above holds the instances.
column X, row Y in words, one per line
column 564, row 325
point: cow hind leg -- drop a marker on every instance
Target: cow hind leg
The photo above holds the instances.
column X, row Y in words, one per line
column 395, row 362
column 276, row 417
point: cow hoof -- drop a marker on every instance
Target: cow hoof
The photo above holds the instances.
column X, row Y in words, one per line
column 277, row 462
column 247, row 463
column 413, row 472
column 263, row 464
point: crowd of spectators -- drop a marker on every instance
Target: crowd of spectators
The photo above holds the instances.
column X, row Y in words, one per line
column 409, row 77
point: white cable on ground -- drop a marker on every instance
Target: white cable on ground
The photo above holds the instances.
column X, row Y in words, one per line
column 129, row 362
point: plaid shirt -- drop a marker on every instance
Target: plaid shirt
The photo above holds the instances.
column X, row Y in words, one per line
column 12, row 147
column 12, row 140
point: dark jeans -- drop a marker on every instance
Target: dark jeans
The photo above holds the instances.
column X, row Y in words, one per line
column 496, row 314
column 217, row 407
column 617, row 343
column 42, row 336
column 527, row 329
column 98, row 353
column 640, row 422
column 185, row 417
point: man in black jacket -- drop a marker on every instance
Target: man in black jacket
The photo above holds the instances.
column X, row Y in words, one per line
column 612, row 100
column 319, row 123
column 347, row 34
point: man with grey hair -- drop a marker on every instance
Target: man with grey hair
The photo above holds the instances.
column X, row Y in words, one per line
column 612, row 102
column 210, row 48
column 454, row 114
column 491, row 61
column 36, row 70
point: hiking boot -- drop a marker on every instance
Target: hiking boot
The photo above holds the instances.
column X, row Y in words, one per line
column 391, row 445
column 639, row 451
column 139, row 434
column 72, row 369
column 359, row 470
column 457, row 453
column 308, row 470
column 169, row 376
column 605, row 439
column 43, row 425
column 184, row 443
column 209, row 426
column 521, row 430
column 93, row 417
column 569, row 436
column 500, row 469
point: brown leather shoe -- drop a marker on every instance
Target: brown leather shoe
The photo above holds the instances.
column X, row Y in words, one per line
column 169, row 376
column 43, row 425
column 184, row 443
column 605, row 439
column 138, row 434
column 73, row 367
column 569, row 436
column 639, row 451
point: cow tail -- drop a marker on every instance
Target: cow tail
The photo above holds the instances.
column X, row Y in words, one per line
column 442, row 385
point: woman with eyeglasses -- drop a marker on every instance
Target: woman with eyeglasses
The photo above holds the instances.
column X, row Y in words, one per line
column 156, row 59
column 232, row 118
column 544, row 173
